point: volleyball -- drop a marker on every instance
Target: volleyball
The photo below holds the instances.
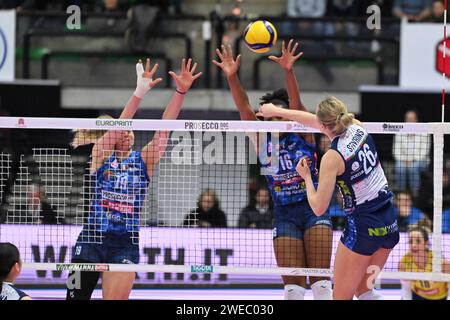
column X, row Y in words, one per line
column 260, row 35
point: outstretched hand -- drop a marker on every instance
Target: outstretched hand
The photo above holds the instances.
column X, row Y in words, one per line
column 145, row 78
column 228, row 65
column 186, row 77
column 288, row 56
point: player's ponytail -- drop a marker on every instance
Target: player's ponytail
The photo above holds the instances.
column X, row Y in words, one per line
column 9, row 256
column 333, row 113
column 85, row 136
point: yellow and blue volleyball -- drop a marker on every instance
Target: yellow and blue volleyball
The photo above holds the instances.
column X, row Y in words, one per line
column 260, row 35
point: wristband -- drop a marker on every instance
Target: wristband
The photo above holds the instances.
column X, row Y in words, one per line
column 181, row 92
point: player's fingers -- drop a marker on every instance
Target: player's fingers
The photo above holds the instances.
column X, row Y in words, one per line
column 299, row 55
column 295, row 48
column 197, row 75
column 229, row 51
column 217, row 63
column 147, row 65
column 155, row 67
column 273, row 58
column 155, row 82
column 183, row 65
column 289, row 47
column 219, row 54
column 282, row 47
column 173, row 74
column 139, row 68
column 193, row 68
column 238, row 59
column 188, row 66
column 259, row 114
column 224, row 51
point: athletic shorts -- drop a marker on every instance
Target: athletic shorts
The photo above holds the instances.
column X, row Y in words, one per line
column 113, row 249
column 366, row 232
column 294, row 219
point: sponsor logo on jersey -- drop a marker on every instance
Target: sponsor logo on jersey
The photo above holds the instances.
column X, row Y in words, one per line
column 120, row 197
column 355, row 166
column 116, row 206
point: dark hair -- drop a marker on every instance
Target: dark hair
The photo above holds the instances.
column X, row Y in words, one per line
column 277, row 97
column 9, row 256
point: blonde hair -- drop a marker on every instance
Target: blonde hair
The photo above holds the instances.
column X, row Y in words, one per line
column 86, row 136
column 333, row 114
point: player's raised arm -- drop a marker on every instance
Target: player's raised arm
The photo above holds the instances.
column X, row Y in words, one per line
column 104, row 146
column 286, row 62
column 306, row 118
column 152, row 152
column 230, row 67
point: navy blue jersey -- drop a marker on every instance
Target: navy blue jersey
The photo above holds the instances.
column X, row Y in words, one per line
column 10, row 292
column 285, row 184
column 363, row 185
column 118, row 195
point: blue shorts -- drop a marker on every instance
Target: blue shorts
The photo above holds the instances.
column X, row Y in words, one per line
column 113, row 249
column 366, row 232
column 294, row 219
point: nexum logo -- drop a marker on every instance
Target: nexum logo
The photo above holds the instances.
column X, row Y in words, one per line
column 3, row 48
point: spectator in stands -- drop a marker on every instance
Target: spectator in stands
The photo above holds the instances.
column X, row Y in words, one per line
column 307, row 9
column 413, row 10
column 437, row 11
column 407, row 214
column 258, row 214
column 208, row 212
column 40, row 206
column 412, row 155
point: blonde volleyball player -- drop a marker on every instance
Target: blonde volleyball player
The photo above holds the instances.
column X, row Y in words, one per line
column 300, row 239
column 352, row 164
column 10, row 268
column 419, row 259
column 120, row 179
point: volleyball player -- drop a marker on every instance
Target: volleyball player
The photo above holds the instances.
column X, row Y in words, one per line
column 121, row 176
column 301, row 239
column 352, row 164
column 420, row 259
column 10, row 268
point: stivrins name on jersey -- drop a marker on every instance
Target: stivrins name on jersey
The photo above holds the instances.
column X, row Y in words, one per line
column 357, row 138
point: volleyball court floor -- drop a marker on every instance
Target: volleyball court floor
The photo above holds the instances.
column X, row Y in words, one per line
column 194, row 294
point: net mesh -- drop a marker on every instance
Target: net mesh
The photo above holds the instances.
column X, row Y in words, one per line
column 200, row 203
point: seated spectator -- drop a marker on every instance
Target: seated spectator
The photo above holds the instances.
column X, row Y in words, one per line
column 10, row 268
column 412, row 155
column 39, row 204
column 306, row 9
column 111, row 5
column 413, row 10
column 258, row 214
column 407, row 214
column 437, row 11
column 208, row 212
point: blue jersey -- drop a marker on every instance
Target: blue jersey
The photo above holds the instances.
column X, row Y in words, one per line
column 285, row 184
column 363, row 185
column 118, row 199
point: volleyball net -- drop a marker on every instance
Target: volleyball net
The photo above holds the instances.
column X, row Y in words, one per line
column 203, row 214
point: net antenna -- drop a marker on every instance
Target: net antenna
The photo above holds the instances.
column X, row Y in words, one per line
column 444, row 59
